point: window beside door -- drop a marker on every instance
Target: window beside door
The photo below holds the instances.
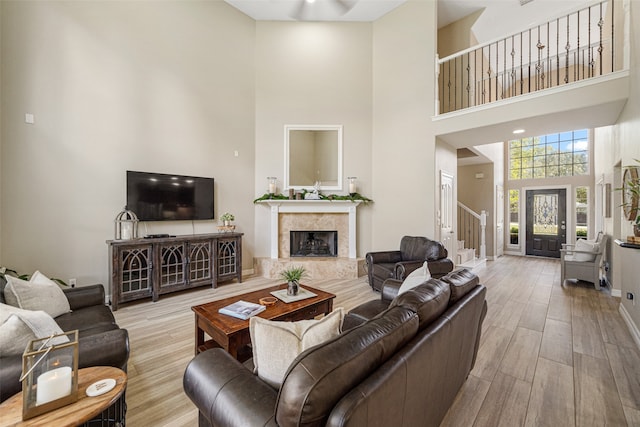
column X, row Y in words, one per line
column 582, row 212
column 514, row 217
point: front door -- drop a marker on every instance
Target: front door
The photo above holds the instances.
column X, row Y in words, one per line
column 546, row 222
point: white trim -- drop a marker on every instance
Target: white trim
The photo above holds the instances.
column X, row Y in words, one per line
column 311, row 206
column 633, row 329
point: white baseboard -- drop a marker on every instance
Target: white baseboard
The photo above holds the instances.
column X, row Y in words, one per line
column 633, row 329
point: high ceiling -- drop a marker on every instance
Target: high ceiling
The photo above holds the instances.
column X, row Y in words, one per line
column 510, row 13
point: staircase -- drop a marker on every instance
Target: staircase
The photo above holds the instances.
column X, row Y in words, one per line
column 472, row 249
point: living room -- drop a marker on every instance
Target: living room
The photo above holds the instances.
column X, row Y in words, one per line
column 199, row 88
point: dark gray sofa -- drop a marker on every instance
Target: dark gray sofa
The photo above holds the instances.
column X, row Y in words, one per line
column 101, row 341
column 404, row 366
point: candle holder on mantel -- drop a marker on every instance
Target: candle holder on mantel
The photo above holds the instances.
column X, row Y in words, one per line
column 272, row 182
column 353, row 188
column 49, row 374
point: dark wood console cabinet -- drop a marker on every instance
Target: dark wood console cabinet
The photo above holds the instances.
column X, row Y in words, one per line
column 142, row 268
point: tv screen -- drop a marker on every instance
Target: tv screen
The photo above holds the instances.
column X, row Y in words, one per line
column 164, row 197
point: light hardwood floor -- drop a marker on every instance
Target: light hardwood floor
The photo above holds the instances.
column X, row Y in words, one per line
column 550, row 355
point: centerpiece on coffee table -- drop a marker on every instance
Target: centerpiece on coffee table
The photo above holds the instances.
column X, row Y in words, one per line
column 293, row 275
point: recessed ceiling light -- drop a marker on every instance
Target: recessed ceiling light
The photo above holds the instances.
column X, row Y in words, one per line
column 311, row 1
column 518, row 131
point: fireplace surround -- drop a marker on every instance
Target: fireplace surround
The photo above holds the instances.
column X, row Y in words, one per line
column 312, row 216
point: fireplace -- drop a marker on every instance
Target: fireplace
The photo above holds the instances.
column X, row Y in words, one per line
column 313, row 243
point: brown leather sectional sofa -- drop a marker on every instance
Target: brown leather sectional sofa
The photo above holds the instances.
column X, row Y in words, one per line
column 101, row 342
column 402, row 367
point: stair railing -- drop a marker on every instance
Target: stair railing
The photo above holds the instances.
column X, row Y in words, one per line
column 573, row 47
column 472, row 229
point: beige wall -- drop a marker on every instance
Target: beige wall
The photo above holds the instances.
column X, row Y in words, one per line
column 458, row 35
column 313, row 73
column 479, row 194
column 403, row 137
column 151, row 86
column 621, row 142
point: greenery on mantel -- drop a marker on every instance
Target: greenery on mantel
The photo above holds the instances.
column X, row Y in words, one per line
column 350, row 197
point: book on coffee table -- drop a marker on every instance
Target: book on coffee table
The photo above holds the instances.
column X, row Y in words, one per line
column 242, row 309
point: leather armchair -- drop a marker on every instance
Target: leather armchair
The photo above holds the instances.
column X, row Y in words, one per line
column 398, row 264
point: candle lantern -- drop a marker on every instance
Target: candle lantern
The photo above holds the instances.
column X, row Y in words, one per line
column 353, row 189
column 272, row 180
column 49, row 374
column 126, row 225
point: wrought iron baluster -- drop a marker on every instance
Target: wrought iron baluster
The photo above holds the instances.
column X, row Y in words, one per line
column 567, row 48
column 600, row 48
column 529, row 64
column 468, row 79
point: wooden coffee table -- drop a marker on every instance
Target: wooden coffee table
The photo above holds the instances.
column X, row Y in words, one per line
column 85, row 409
column 232, row 334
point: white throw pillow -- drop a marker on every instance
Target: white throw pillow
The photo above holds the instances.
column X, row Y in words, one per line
column 415, row 278
column 21, row 326
column 40, row 293
column 582, row 245
column 276, row 344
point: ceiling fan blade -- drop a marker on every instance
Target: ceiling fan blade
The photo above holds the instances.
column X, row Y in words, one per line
column 299, row 13
column 345, row 5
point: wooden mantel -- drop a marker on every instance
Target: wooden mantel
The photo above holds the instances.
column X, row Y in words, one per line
column 311, row 206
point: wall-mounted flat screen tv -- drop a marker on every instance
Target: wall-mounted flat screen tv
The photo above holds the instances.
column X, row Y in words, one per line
column 165, row 197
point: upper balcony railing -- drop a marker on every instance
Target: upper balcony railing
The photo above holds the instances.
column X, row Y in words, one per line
column 573, row 47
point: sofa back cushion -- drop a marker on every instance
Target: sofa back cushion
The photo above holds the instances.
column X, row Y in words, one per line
column 421, row 248
column 320, row 376
column 460, row 282
column 429, row 300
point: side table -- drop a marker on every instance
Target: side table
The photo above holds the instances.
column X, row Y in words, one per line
column 84, row 410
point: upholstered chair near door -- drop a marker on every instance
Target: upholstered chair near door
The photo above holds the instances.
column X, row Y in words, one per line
column 398, row 264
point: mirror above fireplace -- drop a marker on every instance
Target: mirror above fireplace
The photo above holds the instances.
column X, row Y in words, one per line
column 313, row 153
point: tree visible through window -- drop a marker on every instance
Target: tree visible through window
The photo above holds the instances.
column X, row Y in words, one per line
column 548, row 156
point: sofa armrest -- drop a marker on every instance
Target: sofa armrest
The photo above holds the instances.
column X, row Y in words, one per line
column 85, row 296
column 404, row 268
column 383, row 257
column 109, row 348
column 390, row 289
column 228, row 394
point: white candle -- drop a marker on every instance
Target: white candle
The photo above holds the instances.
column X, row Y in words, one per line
column 125, row 232
column 272, row 188
column 352, row 187
column 53, row 385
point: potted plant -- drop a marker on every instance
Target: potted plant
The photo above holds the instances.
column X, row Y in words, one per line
column 293, row 275
column 226, row 218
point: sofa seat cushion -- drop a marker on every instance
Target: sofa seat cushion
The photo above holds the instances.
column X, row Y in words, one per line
column 88, row 321
column 40, row 293
column 276, row 344
column 429, row 300
column 320, row 376
column 460, row 282
column 383, row 270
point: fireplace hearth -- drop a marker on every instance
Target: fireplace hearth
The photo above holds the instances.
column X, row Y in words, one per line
column 313, row 243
